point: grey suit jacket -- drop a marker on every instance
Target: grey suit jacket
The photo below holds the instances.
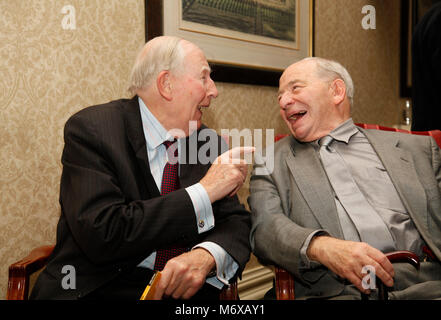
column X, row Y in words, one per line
column 297, row 199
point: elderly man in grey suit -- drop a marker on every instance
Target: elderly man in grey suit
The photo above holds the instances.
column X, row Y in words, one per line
column 339, row 197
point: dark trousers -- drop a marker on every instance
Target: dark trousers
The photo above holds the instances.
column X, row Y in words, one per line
column 130, row 286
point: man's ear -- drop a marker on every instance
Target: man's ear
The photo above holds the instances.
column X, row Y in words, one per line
column 164, row 85
column 338, row 88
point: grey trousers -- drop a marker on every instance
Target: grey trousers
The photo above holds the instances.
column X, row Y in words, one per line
column 409, row 284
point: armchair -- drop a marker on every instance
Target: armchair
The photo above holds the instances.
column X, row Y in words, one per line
column 20, row 272
column 284, row 281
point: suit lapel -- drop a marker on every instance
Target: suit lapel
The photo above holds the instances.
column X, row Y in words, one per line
column 312, row 181
column 135, row 135
column 400, row 166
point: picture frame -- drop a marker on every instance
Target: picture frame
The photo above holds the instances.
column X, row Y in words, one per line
column 233, row 58
column 411, row 13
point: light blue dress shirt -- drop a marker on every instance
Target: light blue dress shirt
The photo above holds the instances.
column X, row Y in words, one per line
column 155, row 134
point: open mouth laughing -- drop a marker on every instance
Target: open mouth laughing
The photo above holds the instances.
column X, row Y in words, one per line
column 296, row 115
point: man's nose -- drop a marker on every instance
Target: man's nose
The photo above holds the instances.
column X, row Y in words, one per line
column 212, row 90
column 284, row 101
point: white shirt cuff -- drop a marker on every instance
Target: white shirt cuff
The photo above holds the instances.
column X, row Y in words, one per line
column 226, row 267
column 202, row 207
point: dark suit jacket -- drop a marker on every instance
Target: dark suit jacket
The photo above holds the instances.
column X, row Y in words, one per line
column 297, row 198
column 112, row 214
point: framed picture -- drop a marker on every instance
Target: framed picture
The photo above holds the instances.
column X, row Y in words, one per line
column 245, row 41
column 411, row 13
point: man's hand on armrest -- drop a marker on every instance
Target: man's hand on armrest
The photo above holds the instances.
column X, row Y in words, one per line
column 347, row 259
column 185, row 274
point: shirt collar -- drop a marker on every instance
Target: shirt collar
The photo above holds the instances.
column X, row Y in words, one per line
column 345, row 131
column 155, row 134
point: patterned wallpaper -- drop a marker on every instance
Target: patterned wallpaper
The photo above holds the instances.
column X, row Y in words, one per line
column 371, row 56
column 48, row 72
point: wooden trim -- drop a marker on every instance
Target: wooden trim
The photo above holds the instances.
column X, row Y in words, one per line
column 19, row 272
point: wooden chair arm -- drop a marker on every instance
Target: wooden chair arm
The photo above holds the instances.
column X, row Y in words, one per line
column 285, row 281
column 230, row 292
column 19, row 272
column 397, row 256
column 284, row 285
column 404, row 256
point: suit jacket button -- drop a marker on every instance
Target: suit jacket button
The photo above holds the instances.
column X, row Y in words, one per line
column 201, row 223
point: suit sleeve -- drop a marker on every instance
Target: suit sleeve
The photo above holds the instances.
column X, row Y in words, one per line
column 105, row 224
column 436, row 161
column 274, row 237
column 436, row 164
column 232, row 225
column 232, row 229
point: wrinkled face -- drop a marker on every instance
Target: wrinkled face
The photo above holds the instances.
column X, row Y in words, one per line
column 193, row 88
column 306, row 103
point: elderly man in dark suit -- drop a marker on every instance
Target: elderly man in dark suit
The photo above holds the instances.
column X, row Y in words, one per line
column 340, row 197
column 139, row 193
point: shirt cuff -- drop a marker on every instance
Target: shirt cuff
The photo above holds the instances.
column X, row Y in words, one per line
column 202, row 207
column 305, row 262
column 148, row 262
column 226, row 267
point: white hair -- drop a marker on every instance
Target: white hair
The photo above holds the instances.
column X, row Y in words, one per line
column 159, row 54
column 331, row 70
